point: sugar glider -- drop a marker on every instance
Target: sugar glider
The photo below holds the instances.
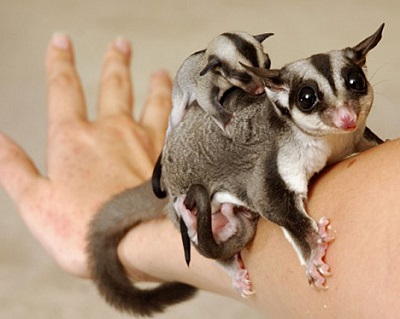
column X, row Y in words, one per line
column 313, row 114
column 206, row 75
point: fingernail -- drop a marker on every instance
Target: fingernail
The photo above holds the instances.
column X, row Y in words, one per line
column 61, row 41
column 123, row 45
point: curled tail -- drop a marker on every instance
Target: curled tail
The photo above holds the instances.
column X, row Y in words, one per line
column 198, row 198
column 107, row 229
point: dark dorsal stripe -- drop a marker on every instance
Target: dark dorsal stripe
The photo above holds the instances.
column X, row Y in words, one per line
column 323, row 64
column 244, row 47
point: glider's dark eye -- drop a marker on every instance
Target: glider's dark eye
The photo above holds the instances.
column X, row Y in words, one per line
column 356, row 82
column 307, row 99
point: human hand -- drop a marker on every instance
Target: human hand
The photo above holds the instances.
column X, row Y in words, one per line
column 87, row 162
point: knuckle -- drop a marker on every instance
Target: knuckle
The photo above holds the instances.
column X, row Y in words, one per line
column 115, row 79
column 66, row 132
column 63, row 78
column 122, row 127
column 115, row 72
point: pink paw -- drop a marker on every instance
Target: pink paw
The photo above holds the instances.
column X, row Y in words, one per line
column 316, row 268
column 323, row 232
column 240, row 276
column 242, row 283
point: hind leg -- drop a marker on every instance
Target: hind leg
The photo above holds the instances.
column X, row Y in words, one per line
column 240, row 276
column 220, row 232
column 207, row 225
column 220, row 228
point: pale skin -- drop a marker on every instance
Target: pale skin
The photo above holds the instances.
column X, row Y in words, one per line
column 88, row 162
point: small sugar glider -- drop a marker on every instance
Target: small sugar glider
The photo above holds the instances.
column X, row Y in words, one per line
column 313, row 114
column 206, row 75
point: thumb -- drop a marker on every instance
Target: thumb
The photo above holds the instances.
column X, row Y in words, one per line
column 18, row 174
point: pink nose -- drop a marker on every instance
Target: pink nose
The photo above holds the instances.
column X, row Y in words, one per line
column 345, row 118
column 348, row 123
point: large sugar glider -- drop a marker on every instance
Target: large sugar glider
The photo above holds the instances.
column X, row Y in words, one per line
column 313, row 114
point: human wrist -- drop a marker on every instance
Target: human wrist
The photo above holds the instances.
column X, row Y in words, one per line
column 133, row 252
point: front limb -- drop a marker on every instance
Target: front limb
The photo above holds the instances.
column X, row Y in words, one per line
column 308, row 238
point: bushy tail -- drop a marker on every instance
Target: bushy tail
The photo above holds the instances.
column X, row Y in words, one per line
column 107, row 229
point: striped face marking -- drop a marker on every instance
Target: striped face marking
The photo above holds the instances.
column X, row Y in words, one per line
column 231, row 49
column 324, row 94
column 245, row 48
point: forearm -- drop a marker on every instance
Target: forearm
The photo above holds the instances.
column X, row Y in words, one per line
column 153, row 252
column 358, row 195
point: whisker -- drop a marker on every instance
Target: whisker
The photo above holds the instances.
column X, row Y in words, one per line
column 377, row 70
column 374, row 85
column 384, row 97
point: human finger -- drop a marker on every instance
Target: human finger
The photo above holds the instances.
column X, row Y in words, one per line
column 18, row 175
column 158, row 105
column 116, row 87
column 65, row 95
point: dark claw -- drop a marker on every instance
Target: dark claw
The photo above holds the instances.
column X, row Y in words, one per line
column 185, row 240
